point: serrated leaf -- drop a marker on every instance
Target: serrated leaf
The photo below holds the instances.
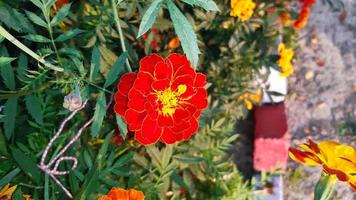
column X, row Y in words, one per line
column 124, row 159
column 26, row 164
column 208, row 5
column 5, row 60
column 36, row 38
column 69, row 34
column 22, row 67
column 149, row 17
column 36, row 19
column 6, row 70
column 115, row 70
column 15, row 20
column 61, row 14
column 185, row 33
column 33, row 106
column 95, row 63
column 122, row 126
column 49, row 4
column 99, row 114
column 10, row 111
column 37, row 3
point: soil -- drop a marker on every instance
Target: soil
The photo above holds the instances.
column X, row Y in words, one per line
column 322, row 100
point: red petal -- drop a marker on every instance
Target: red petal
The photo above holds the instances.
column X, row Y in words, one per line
column 151, row 111
column 200, row 80
column 184, row 70
column 188, row 93
column 143, row 82
column 149, row 133
column 134, row 119
column 177, row 60
column 180, row 126
column 163, row 71
column 197, row 114
column 170, row 137
column 165, row 121
column 148, row 63
column 120, row 106
column 181, row 114
column 126, row 82
column 136, row 100
column 192, row 129
column 182, row 80
column 199, row 100
column 161, row 85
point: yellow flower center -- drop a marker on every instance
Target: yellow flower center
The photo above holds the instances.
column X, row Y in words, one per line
column 170, row 99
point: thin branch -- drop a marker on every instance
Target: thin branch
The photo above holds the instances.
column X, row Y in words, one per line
column 119, row 29
column 24, row 48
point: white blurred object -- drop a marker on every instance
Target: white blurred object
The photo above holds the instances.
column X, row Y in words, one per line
column 274, row 84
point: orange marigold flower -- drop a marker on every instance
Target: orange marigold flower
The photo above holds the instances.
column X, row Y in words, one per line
column 337, row 160
column 163, row 101
column 60, row 3
column 302, row 18
column 174, row 43
column 285, row 18
column 121, row 194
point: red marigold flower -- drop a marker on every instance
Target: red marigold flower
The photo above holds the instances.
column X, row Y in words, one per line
column 60, row 3
column 163, row 101
column 302, row 18
column 307, row 2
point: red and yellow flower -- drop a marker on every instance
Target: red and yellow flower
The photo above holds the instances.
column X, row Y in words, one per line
column 163, row 101
column 121, row 194
column 7, row 191
column 337, row 160
column 302, row 18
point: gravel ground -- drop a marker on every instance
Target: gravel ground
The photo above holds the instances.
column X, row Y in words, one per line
column 322, row 100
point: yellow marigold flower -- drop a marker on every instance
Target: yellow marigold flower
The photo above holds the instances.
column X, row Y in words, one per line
column 242, row 9
column 7, row 191
column 285, row 60
column 27, row 197
column 250, row 98
column 337, row 160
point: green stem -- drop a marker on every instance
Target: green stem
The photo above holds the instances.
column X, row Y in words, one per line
column 26, row 92
column 24, row 48
column 324, row 187
column 119, row 30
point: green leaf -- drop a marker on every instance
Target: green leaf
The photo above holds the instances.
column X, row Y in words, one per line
column 5, row 60
column 10, row 111
column 46, row 188
column 68, row 35
column 3, row 144
column 122, row 126
column 185, row 33
column 17, row 194
column 15, row 20
column 36, row 19
column 1, row 38
column 149, row 17
column 21, row 69
column 115, row 70
column 36, row 38
column 176, row 178
column 61, row 14
column 95, row 63
column 324, row 187
column 37, row 3
column 26, row 164
column 100, row 110
column 208, row 5
column 124, row 159
column 33, row 106
column 8, row 177
column 6, row 70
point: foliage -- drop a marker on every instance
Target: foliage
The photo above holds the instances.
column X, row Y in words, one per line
column 92, row 43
